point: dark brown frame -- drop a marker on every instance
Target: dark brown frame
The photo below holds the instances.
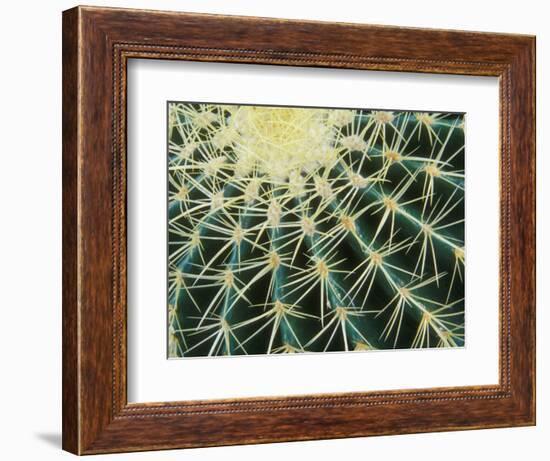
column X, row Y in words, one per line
column 97, row 43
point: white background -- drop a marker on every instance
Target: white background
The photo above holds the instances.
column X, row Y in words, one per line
column 153, row 378
column 30, row 247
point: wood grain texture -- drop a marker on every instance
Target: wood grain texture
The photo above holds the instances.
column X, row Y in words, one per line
column 97, row 43
column 70, row 384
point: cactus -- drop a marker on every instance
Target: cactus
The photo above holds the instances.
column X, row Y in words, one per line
column 313, row 230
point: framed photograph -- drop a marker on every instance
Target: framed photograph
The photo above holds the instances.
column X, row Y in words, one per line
column 282, row 230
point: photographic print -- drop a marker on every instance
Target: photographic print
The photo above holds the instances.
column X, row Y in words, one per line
column 305, row 229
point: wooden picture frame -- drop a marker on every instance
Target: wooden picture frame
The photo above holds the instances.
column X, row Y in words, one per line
column 97, row 44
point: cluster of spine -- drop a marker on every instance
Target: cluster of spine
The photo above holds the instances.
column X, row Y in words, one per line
column 311, row 230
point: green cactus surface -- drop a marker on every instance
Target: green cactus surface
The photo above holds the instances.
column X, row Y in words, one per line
column 298, row 230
